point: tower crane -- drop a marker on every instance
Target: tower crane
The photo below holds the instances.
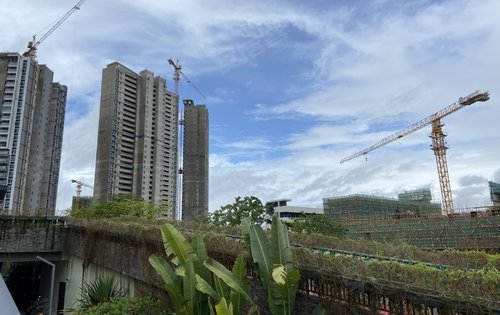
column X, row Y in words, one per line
column 33, row 45
column 79, row 186
column 177, row 75
column 438, row 143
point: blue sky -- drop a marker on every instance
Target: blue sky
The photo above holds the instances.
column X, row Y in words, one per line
column 292, row 87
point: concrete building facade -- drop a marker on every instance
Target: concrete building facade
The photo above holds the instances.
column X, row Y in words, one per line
column 195, row 161
column 137, row 139
column 32, row 110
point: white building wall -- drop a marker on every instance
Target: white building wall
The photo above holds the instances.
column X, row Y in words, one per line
column 75, row 276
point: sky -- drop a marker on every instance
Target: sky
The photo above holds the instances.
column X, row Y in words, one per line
column 291, row 88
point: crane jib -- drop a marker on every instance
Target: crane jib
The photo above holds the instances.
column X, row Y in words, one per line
column 476, row 96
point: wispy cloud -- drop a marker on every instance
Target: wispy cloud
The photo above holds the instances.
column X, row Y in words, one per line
column 343, row 76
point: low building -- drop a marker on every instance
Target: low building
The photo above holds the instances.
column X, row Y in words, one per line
column 288, row 213
column 365, row 207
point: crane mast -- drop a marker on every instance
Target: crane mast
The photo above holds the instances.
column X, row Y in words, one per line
column 438, row 142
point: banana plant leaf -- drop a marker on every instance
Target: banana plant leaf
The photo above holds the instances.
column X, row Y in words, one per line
column 178, row 243
column 240, row 272
column 233, row 282
column 259, row 248
column 280, row 252
column 189, row 284
column 170, row 279
column 224, row 308
column 204, row 287
column 286, row 288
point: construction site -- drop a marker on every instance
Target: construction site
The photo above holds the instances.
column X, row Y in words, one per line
column 413, row 218
column 414, row 254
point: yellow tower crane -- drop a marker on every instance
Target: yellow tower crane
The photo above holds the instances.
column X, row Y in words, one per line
column 33, row 45
column 438, row 143
column 79, row 186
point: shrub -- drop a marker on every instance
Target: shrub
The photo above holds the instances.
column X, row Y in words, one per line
column 125, row 305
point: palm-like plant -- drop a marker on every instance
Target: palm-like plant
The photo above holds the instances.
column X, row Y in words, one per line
column 273, row 259
column 102, row 289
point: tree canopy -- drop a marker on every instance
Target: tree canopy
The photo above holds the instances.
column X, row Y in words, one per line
column 123, row 205
column 231, row 214
column 320, row 224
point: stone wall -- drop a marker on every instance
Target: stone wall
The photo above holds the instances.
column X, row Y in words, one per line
column 31, row 236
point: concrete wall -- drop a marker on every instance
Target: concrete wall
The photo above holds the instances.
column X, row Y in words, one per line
column 74, row 275
column 30, row 238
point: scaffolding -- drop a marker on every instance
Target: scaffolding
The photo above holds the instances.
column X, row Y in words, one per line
column 362, row 208
column 476, row 230
column 414, row 219
column 419, row 195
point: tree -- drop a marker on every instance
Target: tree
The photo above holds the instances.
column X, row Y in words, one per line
column 320, row 224
column 231, row 214
column 123, row 205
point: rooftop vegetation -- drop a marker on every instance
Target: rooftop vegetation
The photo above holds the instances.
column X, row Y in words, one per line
column 465, row 275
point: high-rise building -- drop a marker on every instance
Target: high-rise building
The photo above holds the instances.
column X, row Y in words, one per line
column 137, row 139
column 195, row 161
column 32, row 110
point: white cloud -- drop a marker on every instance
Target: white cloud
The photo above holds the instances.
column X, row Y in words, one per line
column 382, row 65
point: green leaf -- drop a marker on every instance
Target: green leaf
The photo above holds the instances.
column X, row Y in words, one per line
column 205, row 287
column 229, row 279
column 170, row 279
column 211, row 307
column 280, row 252
column 223, row 308
column 189, row 284
column 199, row 246
column 222, row 289
column 319, row 310
column 240, row 268
column 252, row 310
column 178, row 243
column 201, row 252
column 240, row 272
column 287, row 287
column 259, row 248
column 279, row 274
column 180, row 271
column 245, row 229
